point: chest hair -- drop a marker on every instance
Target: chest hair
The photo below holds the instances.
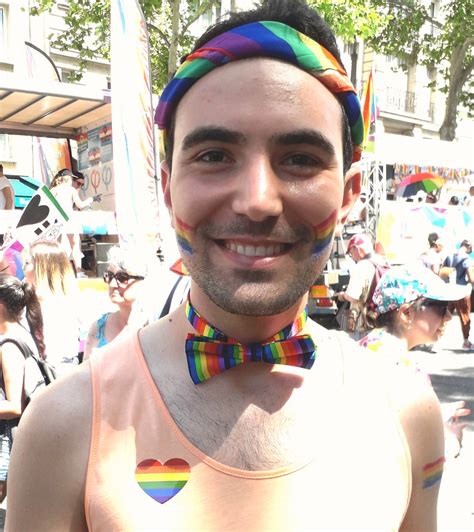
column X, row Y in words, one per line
column 256, row 432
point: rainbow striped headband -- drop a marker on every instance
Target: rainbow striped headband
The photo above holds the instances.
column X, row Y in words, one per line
column 264, row 39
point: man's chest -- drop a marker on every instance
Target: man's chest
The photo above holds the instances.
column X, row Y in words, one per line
column 266, row 424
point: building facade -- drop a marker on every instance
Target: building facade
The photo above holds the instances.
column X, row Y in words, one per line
column 410, row 111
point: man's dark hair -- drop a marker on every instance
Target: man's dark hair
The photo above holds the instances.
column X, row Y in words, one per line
column 301, row 17
column 1, row 168
column 466, row 243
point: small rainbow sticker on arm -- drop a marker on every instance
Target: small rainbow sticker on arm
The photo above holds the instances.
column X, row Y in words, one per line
column 433, row 472
column 160, row 481
column 323, row 233
column 183, row 236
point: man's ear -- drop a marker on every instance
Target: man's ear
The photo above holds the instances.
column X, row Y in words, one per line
column 166, row 188
column 352, row 181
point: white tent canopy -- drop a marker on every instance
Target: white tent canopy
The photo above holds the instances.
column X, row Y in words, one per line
column 48, row 109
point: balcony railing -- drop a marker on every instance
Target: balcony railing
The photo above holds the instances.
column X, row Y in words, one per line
column 396, row 100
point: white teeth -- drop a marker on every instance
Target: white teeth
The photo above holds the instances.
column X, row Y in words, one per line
column 256, row 251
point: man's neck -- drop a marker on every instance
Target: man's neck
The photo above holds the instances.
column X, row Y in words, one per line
column 245, row 329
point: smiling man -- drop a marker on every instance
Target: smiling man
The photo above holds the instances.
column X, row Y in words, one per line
column 236, row 395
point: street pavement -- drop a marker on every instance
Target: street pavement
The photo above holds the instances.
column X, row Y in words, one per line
column 452, row 376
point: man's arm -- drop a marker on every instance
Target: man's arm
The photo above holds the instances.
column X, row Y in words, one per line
column 47, row 475
column 470, row 274
column 421, row 420
column 7, row 193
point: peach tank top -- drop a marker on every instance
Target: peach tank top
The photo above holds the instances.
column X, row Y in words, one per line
column 144, row 474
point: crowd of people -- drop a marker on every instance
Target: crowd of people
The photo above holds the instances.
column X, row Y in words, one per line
column 167, row 422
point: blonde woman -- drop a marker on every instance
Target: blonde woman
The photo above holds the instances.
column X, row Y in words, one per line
column 47, row 267
column 125, row 275
column 63, row 189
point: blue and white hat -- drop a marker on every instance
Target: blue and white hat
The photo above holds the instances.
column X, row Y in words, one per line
column 403, row 284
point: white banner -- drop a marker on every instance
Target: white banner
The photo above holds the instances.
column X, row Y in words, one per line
column 136, row 200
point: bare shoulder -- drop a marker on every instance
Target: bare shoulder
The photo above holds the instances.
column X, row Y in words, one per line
column 49, row 461
column 91, row 340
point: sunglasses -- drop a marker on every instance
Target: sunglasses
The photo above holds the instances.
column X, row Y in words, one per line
column 440, row 307
column 122, row 278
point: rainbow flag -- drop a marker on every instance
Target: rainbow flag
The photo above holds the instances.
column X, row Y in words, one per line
column 370, row 111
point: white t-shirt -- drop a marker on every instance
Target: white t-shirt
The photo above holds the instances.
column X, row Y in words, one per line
column 4, row 183
column 360, row 280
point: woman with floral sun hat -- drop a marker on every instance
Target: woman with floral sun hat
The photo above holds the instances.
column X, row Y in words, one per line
column 411, row 309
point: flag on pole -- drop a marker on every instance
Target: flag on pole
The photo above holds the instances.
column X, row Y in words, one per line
column 136, row 198
column 369, row 112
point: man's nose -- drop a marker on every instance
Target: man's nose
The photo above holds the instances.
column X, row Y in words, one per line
column 258, row 194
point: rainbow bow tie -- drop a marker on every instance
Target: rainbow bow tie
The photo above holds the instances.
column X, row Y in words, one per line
column 212, row 352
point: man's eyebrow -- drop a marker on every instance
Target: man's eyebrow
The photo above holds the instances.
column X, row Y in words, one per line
column 205, row 134
column 306, row 136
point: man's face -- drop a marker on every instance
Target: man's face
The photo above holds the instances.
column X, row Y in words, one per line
column 257, row 183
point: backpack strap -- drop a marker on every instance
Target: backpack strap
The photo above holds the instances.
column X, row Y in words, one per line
column 47, row 371
column 22, row 346
column 167, row 305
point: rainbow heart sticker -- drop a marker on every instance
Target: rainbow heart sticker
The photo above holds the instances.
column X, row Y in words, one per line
column 160, row 481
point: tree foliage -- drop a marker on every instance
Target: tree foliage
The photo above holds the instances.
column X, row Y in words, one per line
column 87, row 31
column 409, row 30
column 401, row 28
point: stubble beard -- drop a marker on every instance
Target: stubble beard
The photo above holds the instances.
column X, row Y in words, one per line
column 254, row 293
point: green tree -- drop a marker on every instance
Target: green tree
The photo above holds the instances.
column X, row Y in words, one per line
column 87, row 31
column 443, row 42
column 409, row 30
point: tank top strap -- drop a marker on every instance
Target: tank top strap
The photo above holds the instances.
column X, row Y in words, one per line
column 101, row 323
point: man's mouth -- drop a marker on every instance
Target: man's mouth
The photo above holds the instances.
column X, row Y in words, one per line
column 273, row 249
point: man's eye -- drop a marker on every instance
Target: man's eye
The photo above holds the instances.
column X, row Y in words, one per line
column 300, row 159
column 213, row 156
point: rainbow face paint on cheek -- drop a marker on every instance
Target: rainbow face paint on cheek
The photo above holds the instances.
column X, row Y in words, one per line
column 323, row 233
column 433, row 472
column 184, row 235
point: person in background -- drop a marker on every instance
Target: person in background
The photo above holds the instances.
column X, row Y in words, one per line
column 226, row 398
column 470, row 198
column 463, row 267
column 125, row 274
column 432, row 258
column 7, row 199
column 453, row 200
column 67, row 196
column 48, row 269
column 361, row 282
column 412, row 309
column 7, row 194
column 76, row 251
column 15, row 298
